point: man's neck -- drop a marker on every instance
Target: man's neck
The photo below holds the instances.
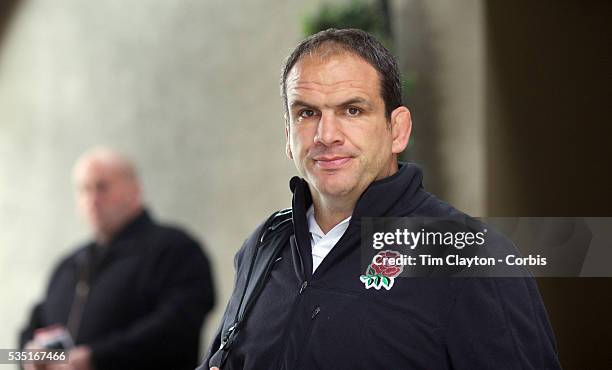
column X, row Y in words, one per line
column 102, row 239
column 330, row 213
column 105, row 237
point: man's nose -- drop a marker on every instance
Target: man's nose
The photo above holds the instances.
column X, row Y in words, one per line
column 91, row 198
column 329, row 131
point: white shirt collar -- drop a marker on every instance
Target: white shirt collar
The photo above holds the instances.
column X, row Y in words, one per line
column 320, row 242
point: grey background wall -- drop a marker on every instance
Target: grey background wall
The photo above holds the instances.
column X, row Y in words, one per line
column 441, row 47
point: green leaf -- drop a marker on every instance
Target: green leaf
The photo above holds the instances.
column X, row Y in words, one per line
column 386, row 281
column 369, row 283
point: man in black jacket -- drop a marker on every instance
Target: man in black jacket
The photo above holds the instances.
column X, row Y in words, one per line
column 345, row 125
column 133, row 298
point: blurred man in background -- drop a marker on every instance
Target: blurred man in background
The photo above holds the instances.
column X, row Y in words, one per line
column 136, row 296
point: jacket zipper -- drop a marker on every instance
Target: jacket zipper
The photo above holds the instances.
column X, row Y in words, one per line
column 299, row 298
column 296, row 303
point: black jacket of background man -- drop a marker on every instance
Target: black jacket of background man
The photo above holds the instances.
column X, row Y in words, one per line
column 328, row 320
column 150, row 290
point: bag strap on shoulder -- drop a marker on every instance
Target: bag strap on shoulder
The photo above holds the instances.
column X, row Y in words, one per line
column 261, row 260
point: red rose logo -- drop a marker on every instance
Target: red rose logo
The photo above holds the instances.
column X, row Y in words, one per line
column 382, row 271
column 381, row 264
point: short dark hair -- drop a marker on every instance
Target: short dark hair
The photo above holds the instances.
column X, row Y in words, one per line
column 363, row 45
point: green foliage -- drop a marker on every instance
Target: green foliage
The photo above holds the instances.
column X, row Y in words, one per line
column 363, row 14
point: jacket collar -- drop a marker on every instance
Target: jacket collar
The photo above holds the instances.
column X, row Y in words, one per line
column 132, row 227
column 395, row 196
column 97, row 255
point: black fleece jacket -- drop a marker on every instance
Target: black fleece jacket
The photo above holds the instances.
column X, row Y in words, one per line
column 150, row 290
column 328, row 320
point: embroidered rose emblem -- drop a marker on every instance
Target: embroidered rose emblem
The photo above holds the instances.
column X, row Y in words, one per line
column 384, row 268
column 382, row 273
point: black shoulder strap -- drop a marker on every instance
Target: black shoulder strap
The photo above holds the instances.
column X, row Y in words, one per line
column 261, row 260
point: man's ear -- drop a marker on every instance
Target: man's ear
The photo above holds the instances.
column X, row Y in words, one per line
column 287, row 146
column 401, row 127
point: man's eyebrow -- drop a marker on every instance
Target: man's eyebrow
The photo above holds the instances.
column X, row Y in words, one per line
column 299, row 103
column 355, row 101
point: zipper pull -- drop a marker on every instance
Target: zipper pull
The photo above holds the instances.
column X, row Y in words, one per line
column 303, row 287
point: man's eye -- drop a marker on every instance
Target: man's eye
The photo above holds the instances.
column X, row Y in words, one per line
column 102, row 187
column 352, row 111
column 306, row 113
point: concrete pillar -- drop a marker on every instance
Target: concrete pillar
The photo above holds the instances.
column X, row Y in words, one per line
column 441, row 47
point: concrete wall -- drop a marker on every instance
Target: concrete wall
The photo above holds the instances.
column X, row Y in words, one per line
column 441, row 48
column 189, row 89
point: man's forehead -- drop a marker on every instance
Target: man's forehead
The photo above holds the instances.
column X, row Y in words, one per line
column 332, row 74
column 331, row 68
column 96, row 169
